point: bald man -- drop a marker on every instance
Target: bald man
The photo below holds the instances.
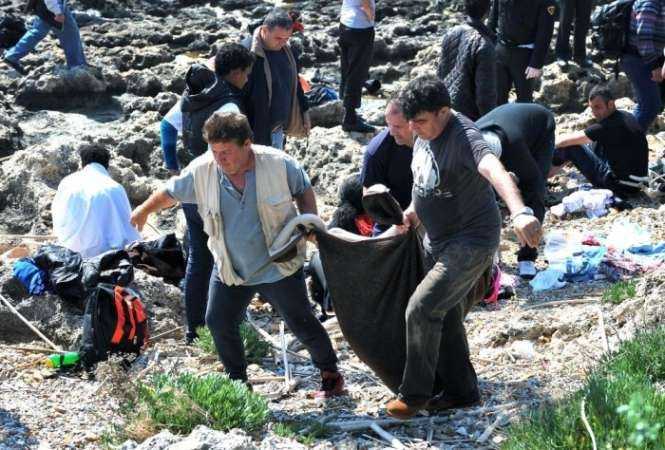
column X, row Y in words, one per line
column 387, row 158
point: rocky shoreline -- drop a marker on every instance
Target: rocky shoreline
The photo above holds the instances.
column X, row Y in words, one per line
column 140, row 50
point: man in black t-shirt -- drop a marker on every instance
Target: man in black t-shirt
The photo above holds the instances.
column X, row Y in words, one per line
column 609, row 151
column 387, row 159
column 454, row 171
column 522, row 136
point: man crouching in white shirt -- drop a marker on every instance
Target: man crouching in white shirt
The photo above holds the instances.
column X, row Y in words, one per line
column 91, row 211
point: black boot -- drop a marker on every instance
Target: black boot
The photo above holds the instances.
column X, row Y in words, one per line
column 353, row 122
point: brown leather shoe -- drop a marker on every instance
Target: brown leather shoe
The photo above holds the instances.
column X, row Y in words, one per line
column 440, row 403
column 401, row 410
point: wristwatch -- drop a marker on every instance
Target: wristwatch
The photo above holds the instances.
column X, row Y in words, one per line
column 524, row 211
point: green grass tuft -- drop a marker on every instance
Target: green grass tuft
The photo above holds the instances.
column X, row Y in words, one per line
column 623, row 405
column 256, row 348
column 181, row 403
column 305, row 432
column 619, row 292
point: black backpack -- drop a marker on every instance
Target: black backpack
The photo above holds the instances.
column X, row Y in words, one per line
column 114, row 322
column 11, row 30
column 610, row 25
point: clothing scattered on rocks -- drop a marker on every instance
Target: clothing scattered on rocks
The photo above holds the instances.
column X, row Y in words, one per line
column 593, row 202
column 30, row 275
column 91, row 213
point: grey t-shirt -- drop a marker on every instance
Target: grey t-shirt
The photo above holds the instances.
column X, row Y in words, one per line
column 452, row 199
column 243, row 234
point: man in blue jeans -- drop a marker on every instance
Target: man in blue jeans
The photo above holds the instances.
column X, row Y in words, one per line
column 51, row 15
column 246, row 194
column 610, row 150
column 644, row 58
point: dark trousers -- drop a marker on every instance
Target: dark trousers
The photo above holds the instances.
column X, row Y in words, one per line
column 531, row 165
column 648, row 93
column 199, row 268
column 581, row 11
column 436, row 341
column 356, row 46
column 226, row 310
column 587, row 160
column 511, row 63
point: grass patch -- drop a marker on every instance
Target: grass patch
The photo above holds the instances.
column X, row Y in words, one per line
column 181, row 403
column 619, row 292
column 305, row 432
column 256, row 348
column 623, row 405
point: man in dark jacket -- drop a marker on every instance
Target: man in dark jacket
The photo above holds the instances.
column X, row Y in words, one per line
column 207, row 92
column 51, row 15
column 468, row 63
column 276, row 103
column 524, row 30
column 522, row 137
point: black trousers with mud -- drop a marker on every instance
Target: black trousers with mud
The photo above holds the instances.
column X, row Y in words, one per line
column 356, row 47
column 436, row 341
column 511, row 64
column 226, row 310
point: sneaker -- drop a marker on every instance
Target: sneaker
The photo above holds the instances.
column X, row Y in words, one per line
column 527, row 269
column 332, row 385
column 562, row 62
column 359, row 125
column 17, row 66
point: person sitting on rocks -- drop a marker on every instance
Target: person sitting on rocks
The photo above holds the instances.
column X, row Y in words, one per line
column 245, row 193
column 279, row 107
column 51, row 15
column 468, row 63
column 522, row 137
column 609, row 151
column 90, row 210
column 454, row 171
column 356, row 44
column 206, row 92
column 387, row 159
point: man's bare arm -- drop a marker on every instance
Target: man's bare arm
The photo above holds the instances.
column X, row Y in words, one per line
column 526, row 227
column 306, row 202
column 155, row 203
column 571, row 139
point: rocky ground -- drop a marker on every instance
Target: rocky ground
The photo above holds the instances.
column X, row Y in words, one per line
column 526, row 350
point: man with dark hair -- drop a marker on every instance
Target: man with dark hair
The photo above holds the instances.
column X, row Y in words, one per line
column 356, row 44
column 610, row 150
column 90, row 210
column 644, row 57
column 276, row 103
column 454, row 171
column 468, row 63
column 206, row 91
column 581, row 11
column 521, row 135
column 524, row 30
column 387, row 159
column 50, row 15
column 245, row 194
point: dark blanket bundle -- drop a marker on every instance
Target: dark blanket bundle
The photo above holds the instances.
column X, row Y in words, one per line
column 370, row 282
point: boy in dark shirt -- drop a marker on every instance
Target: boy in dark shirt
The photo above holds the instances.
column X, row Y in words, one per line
column 609, row 151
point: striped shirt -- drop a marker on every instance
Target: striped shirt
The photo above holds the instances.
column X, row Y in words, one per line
column 647, row 31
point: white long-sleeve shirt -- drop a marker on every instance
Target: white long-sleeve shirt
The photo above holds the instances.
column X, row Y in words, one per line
column 91, row 213
column 54, row 6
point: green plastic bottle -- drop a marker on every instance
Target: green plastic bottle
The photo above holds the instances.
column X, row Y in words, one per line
column 58, row 360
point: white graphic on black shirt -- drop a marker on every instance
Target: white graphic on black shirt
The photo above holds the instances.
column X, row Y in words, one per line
column 425, row 169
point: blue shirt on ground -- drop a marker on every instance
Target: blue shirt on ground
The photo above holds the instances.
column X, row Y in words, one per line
column 243, row 234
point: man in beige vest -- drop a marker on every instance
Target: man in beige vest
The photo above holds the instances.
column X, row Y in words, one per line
column 245, row 194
